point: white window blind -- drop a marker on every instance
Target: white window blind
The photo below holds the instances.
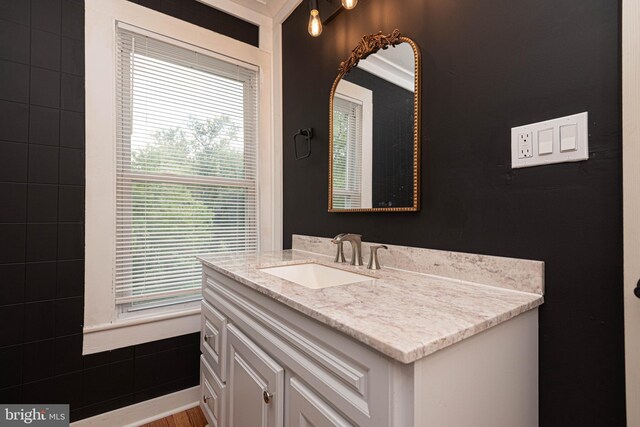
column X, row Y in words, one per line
column 186, row 149
column 347, row 153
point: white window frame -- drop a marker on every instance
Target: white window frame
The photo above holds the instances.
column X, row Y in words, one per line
column 102, row 328
column 360, row 95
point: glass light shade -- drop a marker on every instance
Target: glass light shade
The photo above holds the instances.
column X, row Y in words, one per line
column 349, row 4
column 315, row 23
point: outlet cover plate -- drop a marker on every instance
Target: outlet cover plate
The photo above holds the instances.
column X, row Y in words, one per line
column 543, row 156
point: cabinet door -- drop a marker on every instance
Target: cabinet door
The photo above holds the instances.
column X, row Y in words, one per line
column 306, row 409
column 255, row 384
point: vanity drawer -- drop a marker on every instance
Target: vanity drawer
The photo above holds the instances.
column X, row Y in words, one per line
column 213, row 395
column 213, row 339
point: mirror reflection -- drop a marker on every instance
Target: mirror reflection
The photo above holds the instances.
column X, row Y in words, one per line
column 373, row 133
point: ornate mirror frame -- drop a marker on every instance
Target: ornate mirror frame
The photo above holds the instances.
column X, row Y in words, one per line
column 369, row 45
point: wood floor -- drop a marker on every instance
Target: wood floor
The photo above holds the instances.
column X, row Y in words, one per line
column 190, row 418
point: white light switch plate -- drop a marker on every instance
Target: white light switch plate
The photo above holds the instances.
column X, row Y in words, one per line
column 553, row 141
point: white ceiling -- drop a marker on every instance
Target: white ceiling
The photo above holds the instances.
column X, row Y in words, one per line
column 394, row 64
column 400, row 55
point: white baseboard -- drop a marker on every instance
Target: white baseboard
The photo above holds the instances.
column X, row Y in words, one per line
column 145, row 412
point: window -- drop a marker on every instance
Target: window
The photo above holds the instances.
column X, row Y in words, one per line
column 352, row 146
column 347, row 153
column 186, row 168
column 180, row 161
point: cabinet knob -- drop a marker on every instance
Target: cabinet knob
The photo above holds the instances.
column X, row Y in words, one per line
column 266, row 396
column 206, row 398
column 207, row 337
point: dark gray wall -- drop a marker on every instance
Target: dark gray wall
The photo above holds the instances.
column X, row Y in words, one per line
column 488, row 66
column 42, row 225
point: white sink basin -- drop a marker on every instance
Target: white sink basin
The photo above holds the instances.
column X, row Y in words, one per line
column 315, row 276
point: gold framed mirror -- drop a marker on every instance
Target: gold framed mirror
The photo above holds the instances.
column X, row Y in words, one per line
column 374, row 127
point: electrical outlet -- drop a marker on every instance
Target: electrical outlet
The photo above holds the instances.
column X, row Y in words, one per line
column 525, row 144
column 565, row 139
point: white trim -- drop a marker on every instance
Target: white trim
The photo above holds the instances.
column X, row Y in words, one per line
column 286, row 9
column 147, row 411
column 101, row 17
column 363, row 96
column 258, row 16
column 277, row 125
column 280, row 8
column 120, row 334
column 276, row 118
column 387, row 70
column 631, row 201
column 250, row 10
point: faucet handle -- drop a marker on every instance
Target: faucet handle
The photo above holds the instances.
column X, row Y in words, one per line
column 373, row 257
column 338, row 238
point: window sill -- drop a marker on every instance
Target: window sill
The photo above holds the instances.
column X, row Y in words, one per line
column 140, row 330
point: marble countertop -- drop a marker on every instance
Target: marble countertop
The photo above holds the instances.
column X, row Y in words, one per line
column 404, row 315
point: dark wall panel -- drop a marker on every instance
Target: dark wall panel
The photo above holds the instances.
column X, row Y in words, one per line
column 42, row 227
column 489, row 66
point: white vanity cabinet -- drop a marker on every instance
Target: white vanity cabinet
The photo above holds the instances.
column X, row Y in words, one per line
column 265, row 364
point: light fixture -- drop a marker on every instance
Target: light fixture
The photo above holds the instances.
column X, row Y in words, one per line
column 315, row 23
column 349, row 4
column 331, row 10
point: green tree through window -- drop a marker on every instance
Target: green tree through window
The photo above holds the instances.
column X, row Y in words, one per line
column 166, row 216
